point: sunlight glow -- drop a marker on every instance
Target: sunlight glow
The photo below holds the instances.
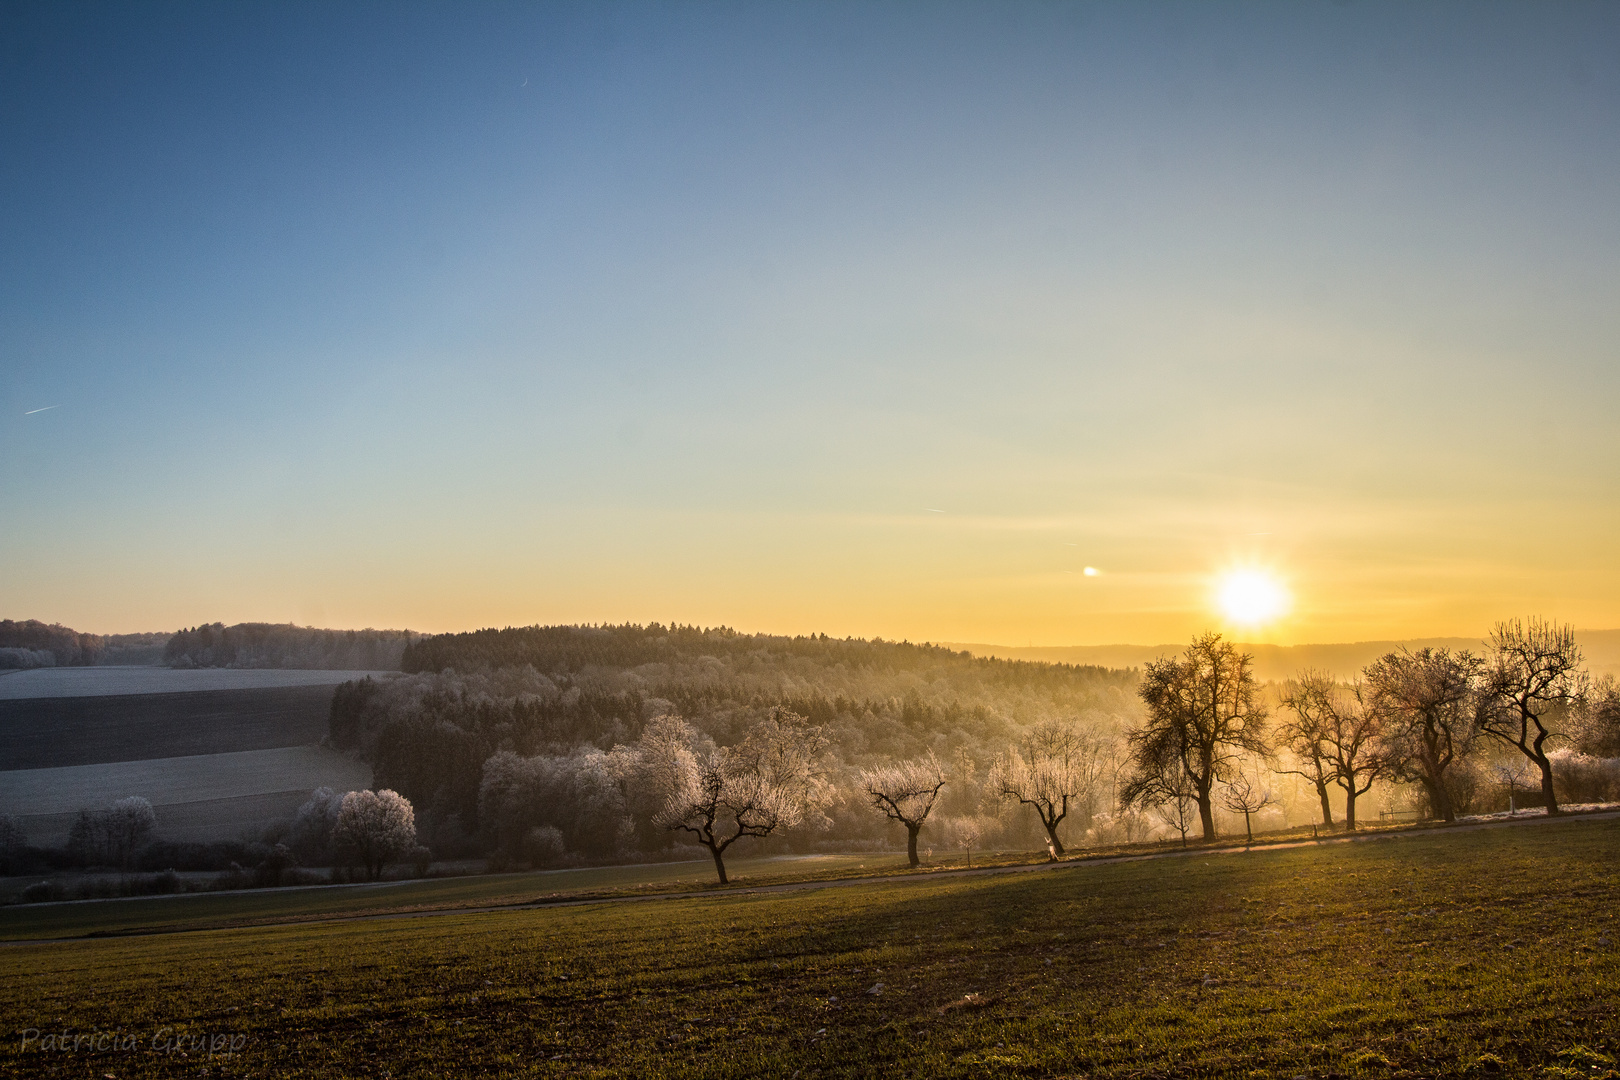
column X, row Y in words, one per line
column 1251, row 597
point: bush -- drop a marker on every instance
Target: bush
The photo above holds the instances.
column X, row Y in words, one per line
column 1580, row 778
column 420, row 859
column 42, row 891
column 273, row 870
column 544, row 845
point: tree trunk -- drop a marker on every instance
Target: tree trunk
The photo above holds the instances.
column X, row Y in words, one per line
column 1247, row 831
column 1054, row 845
column 1439, row 799
column 1206, row 817
column 1350, row 810
column 1327, row 810
column 911, row 844
column 1547, row 787
column 719, row 863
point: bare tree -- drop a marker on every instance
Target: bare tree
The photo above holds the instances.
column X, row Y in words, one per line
column 1514, row 774
column 112, row 835
column 1203, row 710
column 1311, row 700
column 964, row 832
column 13, row 844
column 374, row 828
column 905, row 792
column 765, row 783
column 1428, row 701
column 1055, row 769
column 1179, row 808
column 1355, row 746
column 1245, row 795
column 1534, row 671
column 1341, row 732
column 128, row 824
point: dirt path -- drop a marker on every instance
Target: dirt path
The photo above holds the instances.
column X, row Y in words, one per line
column 889, row 879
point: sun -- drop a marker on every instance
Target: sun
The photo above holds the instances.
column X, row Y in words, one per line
column 1250, row 597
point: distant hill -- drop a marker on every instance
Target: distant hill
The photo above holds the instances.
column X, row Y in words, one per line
column 1277, row 662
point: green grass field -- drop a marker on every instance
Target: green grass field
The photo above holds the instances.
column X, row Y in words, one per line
column 1441, row 953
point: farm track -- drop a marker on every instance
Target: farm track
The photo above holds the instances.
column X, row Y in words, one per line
column 833, row 883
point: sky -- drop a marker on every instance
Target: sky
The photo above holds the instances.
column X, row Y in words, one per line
column 864, row 319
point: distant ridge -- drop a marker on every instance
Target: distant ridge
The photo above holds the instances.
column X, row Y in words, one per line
column 1278, row 662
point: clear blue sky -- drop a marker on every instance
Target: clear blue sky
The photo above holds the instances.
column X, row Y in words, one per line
column 458, row 315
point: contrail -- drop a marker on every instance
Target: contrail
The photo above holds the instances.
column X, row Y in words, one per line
column 47, row 408
column 931, row 510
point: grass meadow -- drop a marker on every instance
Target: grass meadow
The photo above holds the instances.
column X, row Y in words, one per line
column 1442, row 953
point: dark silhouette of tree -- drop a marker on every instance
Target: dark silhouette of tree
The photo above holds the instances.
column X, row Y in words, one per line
column 1203, row 711
column 113, row 835
column 1533, row 672
column 1428, row 701
column 905, row 792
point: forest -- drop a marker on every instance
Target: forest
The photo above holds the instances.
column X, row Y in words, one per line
column 540, row 744
column 546, row 706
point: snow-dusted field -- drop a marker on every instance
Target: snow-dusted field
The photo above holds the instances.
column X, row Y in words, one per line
column 239, row 787
column 109, row 681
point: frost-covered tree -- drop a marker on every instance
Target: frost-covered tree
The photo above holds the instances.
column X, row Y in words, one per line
column 374, row 828
column 1055, row 769
column 581, row 796
column 905, row 792
column 311, row 834
column 718, row 795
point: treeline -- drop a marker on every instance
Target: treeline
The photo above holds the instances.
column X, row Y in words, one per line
column 571, row 649
column 333, row 838
column 32, row 644
column 560, row 699
column 274, row 645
